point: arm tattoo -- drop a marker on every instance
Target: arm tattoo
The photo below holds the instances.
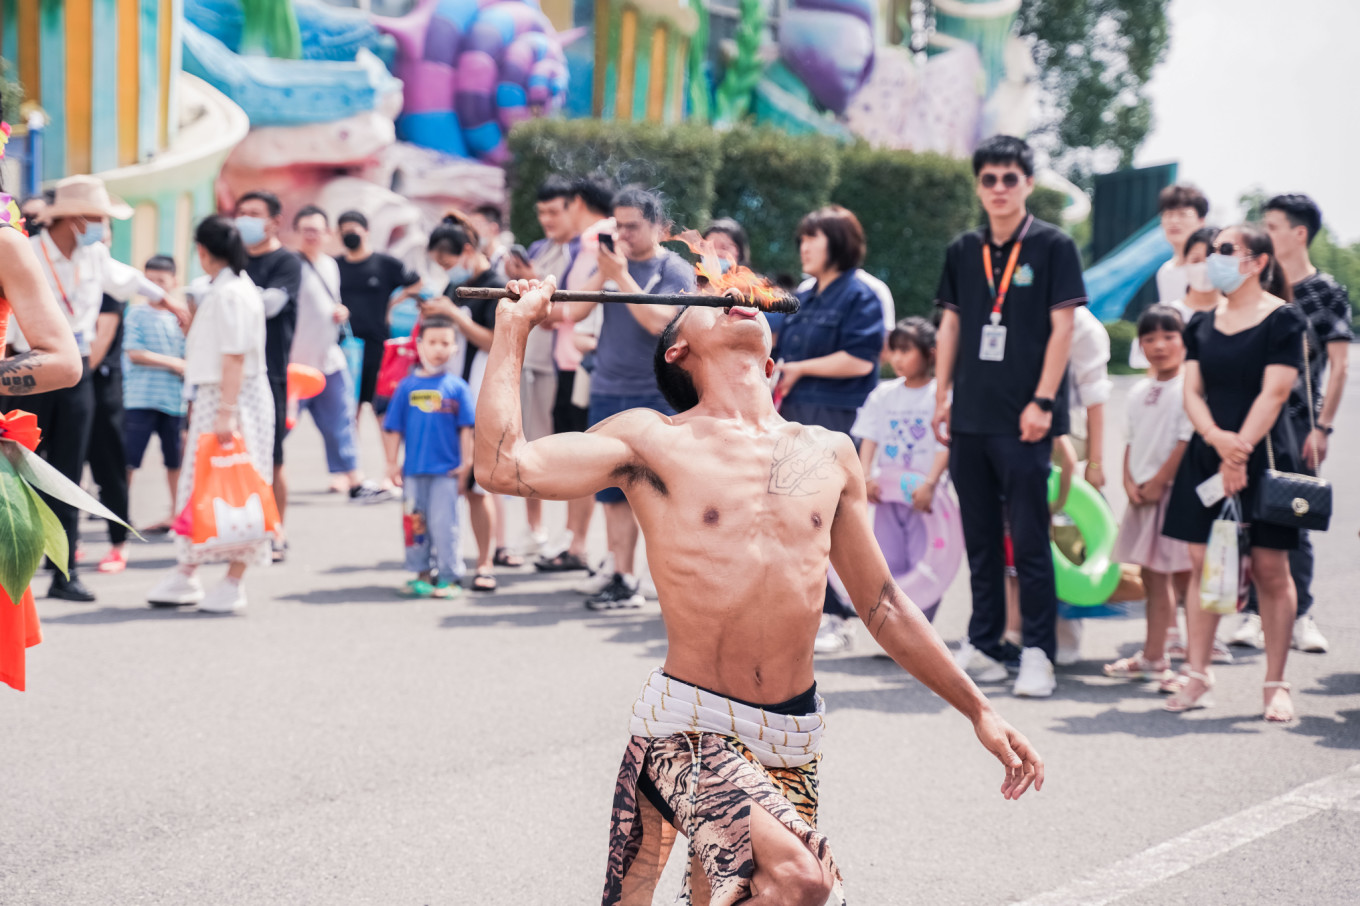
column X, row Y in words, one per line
column 17, row 376
column 890, row 595
column 799, row 464
column 522, row 487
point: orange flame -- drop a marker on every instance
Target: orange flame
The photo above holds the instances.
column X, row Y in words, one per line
column 739, row 282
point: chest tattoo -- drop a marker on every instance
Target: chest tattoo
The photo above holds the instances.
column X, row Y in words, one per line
column 799, row 465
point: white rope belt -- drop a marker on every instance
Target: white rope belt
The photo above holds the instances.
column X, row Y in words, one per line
column 667, row 706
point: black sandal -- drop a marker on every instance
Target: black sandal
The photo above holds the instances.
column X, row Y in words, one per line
column 564, row 562
column 483, row 582
column 503, row 557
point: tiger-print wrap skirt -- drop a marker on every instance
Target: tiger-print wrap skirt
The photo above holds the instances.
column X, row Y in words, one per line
column 716, row 816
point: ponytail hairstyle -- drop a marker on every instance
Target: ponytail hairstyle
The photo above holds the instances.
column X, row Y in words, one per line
column 454, row 233
column 1257, row 241
column 220, row 238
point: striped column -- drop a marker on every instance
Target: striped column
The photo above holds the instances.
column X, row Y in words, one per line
column 104, row 70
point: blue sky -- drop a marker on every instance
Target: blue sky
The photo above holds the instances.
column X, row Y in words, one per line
column 1263, row 92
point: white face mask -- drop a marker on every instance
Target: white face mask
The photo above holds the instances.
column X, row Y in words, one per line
column 1198, row 275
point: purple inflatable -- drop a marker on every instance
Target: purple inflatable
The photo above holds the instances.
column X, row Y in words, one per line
column 829, row 45
column 472, row 69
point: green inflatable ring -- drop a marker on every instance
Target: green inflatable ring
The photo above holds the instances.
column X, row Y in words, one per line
column 1091, row 583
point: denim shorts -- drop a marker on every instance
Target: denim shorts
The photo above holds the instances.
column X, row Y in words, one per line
column 140, row 424
column 603, row 406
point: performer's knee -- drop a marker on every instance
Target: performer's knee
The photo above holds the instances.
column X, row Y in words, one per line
column 802, row 880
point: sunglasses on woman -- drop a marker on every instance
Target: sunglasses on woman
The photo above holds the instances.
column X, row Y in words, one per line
column 1008, row 180
column 1230, row 249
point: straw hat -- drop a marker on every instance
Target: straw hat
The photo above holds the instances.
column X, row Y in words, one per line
column 85, row 196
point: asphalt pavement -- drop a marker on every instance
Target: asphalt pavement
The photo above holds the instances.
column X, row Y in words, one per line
column 338, row 744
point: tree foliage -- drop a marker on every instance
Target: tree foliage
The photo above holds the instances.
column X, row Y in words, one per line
column 1095, row 58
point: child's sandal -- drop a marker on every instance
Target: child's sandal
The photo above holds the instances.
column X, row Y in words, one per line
column 1136, row 667
column 1278, row 714
column 1184, row 701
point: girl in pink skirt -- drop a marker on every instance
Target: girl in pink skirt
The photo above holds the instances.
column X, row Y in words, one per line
column 1159, row 430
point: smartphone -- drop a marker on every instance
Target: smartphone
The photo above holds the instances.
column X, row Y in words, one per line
column 520, row 252
column 607, row 242
column 1211, row 489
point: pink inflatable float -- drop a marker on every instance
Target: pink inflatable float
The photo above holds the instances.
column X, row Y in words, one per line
column 923, row 550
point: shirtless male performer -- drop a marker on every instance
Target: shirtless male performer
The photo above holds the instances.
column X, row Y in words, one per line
column 741, row 511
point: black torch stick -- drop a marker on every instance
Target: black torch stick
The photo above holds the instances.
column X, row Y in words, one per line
column 782, row 303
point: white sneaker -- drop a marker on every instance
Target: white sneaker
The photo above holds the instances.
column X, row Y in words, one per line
column 835, row 635
column 538, row 543
column 598, row 580
column 176, row 590
column 1220, row 654
column 1035, row 679
column 1307, row 637
column 1069, row 642
column 228, row 597
column 1249, row 634
column 979, row 666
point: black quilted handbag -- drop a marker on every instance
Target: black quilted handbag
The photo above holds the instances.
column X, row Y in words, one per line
column 1290, row 499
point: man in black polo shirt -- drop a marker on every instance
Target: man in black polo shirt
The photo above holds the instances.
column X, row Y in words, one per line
column 1008, row 291
column 369, row 282
column 278, row 274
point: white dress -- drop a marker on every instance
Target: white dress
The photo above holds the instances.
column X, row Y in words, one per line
column 229, row 321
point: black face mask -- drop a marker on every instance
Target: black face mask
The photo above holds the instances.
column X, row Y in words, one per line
column 352, row 241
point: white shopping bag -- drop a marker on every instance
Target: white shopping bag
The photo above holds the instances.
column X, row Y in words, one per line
column 1224, row 581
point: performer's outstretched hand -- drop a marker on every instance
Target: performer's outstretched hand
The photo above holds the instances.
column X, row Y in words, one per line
column 1023, row 764
column 533, row 300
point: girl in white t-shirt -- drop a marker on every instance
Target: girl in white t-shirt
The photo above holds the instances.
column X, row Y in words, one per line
column 1159, row 430
column 903, row 462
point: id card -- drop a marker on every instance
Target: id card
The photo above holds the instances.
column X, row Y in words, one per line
column 1210, row 490
column 993, row 343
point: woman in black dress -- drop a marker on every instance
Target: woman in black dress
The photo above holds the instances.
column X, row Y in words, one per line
column 1241, row 361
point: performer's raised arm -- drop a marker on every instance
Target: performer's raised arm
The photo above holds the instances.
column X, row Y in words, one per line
column 907, row 636
column 562, row 466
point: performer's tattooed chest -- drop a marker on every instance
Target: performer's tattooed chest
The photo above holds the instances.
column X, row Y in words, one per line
column 801, row 466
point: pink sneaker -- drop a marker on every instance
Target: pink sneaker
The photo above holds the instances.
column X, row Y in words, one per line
column 115, row 561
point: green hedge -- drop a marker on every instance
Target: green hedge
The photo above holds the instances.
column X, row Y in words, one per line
column 767, row 182
column 911, row 205
column 1123, row 334
column 679, row 161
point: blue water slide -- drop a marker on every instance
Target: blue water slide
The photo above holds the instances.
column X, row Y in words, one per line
column 288, row 92
column 327, row 32
column 1114, row 280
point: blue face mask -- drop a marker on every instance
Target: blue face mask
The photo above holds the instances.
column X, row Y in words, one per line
column 458, row 275
column 94, row 232
column 251, row 230
column 1224, row 273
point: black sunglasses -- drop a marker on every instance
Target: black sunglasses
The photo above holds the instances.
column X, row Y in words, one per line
column 1009, row 180
column 1227, row 248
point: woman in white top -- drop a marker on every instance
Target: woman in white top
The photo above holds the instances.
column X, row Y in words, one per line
column 224, row 372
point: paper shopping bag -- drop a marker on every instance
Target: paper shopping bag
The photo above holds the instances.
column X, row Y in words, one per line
column 1224, row 580
column 231, row 506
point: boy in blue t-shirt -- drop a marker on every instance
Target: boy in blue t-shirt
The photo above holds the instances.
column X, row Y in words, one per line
column 432, row 412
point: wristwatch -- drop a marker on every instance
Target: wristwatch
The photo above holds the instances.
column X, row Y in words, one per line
column 1325, row 429
column 1045, row 403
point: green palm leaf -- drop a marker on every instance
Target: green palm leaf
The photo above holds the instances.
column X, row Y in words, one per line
column 55, row 545
column 21, row 532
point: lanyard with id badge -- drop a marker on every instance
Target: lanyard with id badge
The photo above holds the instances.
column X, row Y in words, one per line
column 994, row 334
column 81, row 344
